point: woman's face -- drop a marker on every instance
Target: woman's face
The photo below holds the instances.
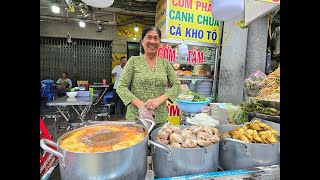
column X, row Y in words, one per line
column 151, row 42
column 64, row 75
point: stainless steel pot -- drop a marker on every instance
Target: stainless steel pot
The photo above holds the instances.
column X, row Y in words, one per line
column 170, row 161
column 127, row 163
column 235, row 154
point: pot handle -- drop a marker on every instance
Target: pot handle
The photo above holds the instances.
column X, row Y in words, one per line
column 169, row 157
column 146, row 124
column 237, row 141
column 43, row 145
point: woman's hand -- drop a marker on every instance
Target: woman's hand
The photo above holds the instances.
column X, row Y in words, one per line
column 156, row 102
column 62, row 86
column 137, row 103
column 145, row 113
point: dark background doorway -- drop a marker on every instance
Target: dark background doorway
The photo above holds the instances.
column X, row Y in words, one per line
column 133, row 49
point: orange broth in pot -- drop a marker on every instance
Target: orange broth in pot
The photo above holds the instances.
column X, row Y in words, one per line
column 103, row 138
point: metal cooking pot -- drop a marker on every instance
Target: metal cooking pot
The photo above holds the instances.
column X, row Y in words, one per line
column 170, row 161
column 127, row 163
column 236, row 154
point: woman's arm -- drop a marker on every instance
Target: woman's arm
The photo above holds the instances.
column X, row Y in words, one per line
column 70, row 83
column 59, row 83
column 124, row 82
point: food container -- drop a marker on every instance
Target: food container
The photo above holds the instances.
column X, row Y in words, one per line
column 206, row 110
column 236, row 154
column 169, row 161
column 126, row 163
column 191, row 107
column 72, row 94
column 83, row 93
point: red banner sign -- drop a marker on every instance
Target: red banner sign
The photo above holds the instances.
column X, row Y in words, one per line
column 167, row 52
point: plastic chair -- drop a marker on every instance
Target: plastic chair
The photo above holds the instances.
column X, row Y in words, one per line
column 74, row 124
column 107, row 98
column 47, row 91
column 100, row 97
column 47, row 87
column 101, row 112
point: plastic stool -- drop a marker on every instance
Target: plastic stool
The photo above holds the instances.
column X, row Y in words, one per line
column 112, row 106
column 75, row 124
column 56, row 123
column 101, row 113
column 108, row 97
column 65, row 112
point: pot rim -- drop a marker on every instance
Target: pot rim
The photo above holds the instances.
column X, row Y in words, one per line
column 251, row 144
column 78, row 129
column 254, row 144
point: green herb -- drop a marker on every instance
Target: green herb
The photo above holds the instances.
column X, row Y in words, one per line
column 197, row 97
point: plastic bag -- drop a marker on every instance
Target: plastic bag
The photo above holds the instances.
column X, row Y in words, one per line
column 236, row 114
column 145, row 113
column 240, row 117
column 254, row 83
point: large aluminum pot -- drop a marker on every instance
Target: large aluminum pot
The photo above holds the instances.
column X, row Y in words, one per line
column 236, row 154
column 170, row 161
column 127, row 163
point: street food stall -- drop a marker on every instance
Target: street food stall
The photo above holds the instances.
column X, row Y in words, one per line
column 207, row 147
column 190, row 41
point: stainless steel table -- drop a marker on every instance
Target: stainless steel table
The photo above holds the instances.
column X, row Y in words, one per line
column 98, row 86
column 76, row 101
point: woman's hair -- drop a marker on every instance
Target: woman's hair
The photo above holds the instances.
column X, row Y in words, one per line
column 145, row 30
column 65, row 73
column 150, row 28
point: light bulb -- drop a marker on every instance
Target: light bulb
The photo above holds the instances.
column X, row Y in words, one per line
column 55, row 9
column 98, row 3
column 136, row 29
column 82, row 24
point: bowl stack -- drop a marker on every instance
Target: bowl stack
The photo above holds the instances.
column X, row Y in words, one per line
column 193, row 87
column 204, row 88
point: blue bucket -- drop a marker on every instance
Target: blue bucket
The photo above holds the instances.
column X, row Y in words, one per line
column 191, row 107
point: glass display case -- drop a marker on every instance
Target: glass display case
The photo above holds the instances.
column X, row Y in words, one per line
column 196, row 70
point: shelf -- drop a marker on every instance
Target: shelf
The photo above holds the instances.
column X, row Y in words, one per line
column 198, row 79
column 185, row 62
